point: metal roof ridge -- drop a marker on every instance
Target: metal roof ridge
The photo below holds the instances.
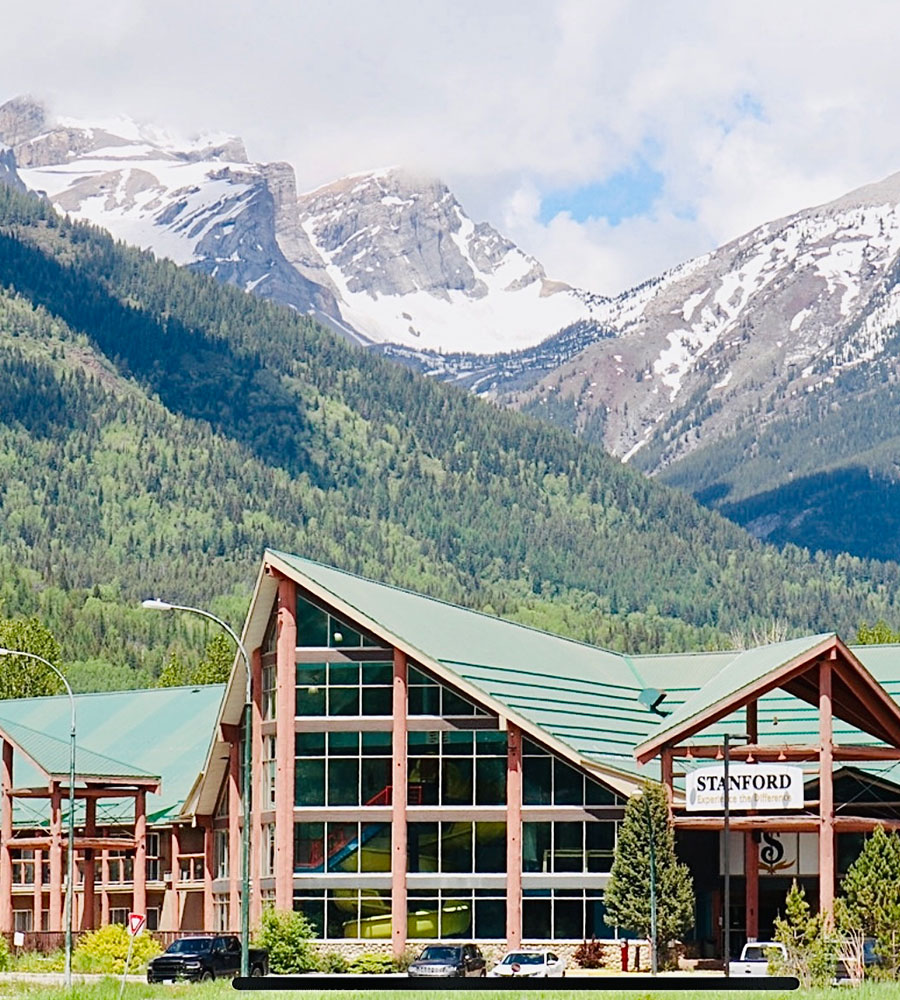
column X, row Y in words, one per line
column 449, row 604
column 106, row 694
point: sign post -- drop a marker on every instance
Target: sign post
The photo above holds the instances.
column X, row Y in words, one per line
column 136, row 923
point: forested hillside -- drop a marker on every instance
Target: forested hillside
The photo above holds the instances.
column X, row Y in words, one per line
column 158, row 430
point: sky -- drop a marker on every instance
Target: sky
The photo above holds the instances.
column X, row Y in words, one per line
column 610, row 139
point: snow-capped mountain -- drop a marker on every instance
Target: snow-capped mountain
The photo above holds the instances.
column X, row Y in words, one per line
column 382, row 257
column 735, row 335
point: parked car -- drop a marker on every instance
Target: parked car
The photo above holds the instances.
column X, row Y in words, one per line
column 214, row 956
column 754, row 960
column 449, row 960
column 530, row 963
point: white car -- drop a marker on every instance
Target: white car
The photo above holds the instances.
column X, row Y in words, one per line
column 530, row 963
column 754, row 960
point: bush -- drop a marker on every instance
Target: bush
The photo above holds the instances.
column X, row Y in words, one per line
column 810, row 943
column 6, row 960
column 333, row 961
column 288, row 937
column 106, row 949
column 371, row 963
column 589, row 955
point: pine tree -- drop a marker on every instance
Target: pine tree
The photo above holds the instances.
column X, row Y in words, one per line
column 811, row 948
column 22, row 676
column 175, row 673
column 869, row 902
column 627, row 896
column 215, row 667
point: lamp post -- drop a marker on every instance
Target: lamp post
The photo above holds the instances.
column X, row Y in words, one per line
column 70, row 866
column 653, row 928
column 154, row 604
column 726, row 847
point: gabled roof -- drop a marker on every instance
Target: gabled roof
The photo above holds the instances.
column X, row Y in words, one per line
column 160, row 731
column 858, row 699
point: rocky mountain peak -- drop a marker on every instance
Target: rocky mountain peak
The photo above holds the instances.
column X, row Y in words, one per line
column 21, row 119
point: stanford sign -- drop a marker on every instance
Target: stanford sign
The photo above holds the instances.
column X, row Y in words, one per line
column 750, row 786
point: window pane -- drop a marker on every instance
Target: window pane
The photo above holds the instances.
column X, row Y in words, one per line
column 376, row 744
column 309, row 782
column 536, row 919
column 456, row 779
column 569, row 919
column 376, row 779
column 309, row 847
column 536, row 845
column 305, row 744
column 456, row 847
column 343, row 782
column 343, row 635
column 343, row 847
column 568, row 851
column 595, row 925
column 424, row 700
column 343, row 674
column 490, row 781
column 536, row 780
column 456, row 918
column 420, row 744
column 378, row 672
column 377, row 701
column 310, row 673
column 491, row 743
column 490, row 918
column 567, row 785
column 414, row 676
column 422, row 918
column 490, row 847
column 457, row 743
column 422, row 847
column 600, row 845
column 454, row 704
column 314, row 911
column 343, row 744
column 343, row 701
column 312, row 625
column 310, row 701
column 343, row 910
column 375, row 854
column 596, row 795
column 423, row 781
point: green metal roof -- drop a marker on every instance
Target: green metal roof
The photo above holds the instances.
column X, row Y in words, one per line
column 160, row 731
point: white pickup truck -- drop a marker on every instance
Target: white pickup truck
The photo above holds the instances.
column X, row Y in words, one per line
column 754, row 960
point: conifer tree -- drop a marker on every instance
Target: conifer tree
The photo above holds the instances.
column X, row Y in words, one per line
column 22, row 676
column 627, row 896
column 215, row 667
column 811, row 948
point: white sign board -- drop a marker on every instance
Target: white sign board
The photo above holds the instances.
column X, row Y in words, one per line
column 763, row 787
column 779, row 853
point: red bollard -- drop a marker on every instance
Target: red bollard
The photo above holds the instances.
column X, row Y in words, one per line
column 624, row 956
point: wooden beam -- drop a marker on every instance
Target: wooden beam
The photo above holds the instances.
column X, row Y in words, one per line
column 80, row 793
column 767, row 751
column 770, row 822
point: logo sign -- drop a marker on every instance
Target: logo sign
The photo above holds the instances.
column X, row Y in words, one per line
column 136, row 923
column 750, row 786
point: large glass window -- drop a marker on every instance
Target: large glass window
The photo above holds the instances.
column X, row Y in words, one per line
column 568, row 847
column 345, row 688
column 346, row 913
column 547, row 780
column 459, row 767
column 456, row 913
column 460, row 847
column 316, row 627
column 342, row 847
column 564, row 914
column 342, row 769
column 427, row 697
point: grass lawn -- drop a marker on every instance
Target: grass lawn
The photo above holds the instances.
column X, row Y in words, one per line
column 108, row 989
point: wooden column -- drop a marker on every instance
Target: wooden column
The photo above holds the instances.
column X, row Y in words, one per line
column 88, row 898
column 513, row 836
column 398, row 806
column 256, row 804
column 234, row 838
column 751, row 879
column 665, row 764
column 6, row 829
column 285, row 710
column 139, row 895
column 56, row 894
column 752, row 722
column 209, row 862
column 104, row 891
column 172, row 898
column 37, row 900
column 826, row 793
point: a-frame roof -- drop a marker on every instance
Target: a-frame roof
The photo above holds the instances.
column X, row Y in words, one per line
column 857, row 697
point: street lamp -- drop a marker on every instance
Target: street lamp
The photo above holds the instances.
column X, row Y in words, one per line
column 653, row 928
column 741, row 738
column 70, row 866
column 154, row 604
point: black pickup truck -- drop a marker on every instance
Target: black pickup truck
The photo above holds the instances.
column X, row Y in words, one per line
column 216, row 956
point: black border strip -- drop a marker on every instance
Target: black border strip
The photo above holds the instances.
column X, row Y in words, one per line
column 432, row 984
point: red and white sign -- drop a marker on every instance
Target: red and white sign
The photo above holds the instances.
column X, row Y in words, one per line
column 136, row 923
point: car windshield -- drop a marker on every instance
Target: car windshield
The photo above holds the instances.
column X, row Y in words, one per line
column 523, row 958
column 756, row 953
column 189, row 946
column 439, row 955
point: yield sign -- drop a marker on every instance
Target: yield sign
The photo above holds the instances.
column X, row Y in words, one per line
column 136, row 923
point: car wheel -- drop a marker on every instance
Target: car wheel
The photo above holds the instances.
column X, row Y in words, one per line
column 256, row 971
column 206, row 977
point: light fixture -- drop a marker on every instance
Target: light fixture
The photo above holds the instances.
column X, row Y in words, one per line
column 782, row 755
column 338, row 637
column 750, row 758
column 690, row 753
column 719, row 754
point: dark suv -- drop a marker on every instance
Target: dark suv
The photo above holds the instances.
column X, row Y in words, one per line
column 449, row 960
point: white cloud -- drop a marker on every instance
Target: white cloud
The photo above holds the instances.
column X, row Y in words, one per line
column 506, row 100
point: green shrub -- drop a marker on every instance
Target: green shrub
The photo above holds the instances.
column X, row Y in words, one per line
column 333, row 961
column 106, row 949
column 5, row 957
column 371, row 963
column 288, row 937
column 38, row 961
